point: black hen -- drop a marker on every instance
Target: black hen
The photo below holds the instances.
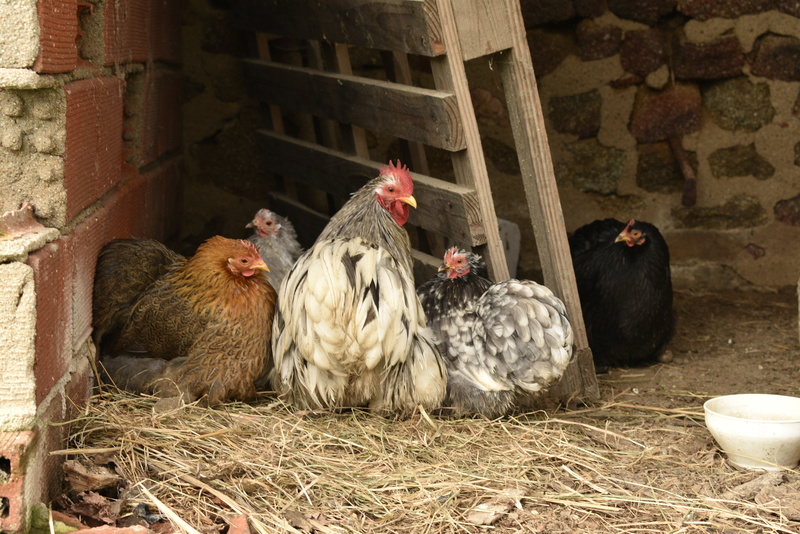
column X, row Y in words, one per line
column 623, row 276
column 503, row 343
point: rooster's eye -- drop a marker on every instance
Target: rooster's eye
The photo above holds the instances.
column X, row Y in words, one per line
column 391, row 189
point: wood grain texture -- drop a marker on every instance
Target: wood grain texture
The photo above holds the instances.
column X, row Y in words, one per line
column 410, row 26
column 544, row 203
column 412, row 113
column 469, row 165
column 444, row 207
column 482, row 27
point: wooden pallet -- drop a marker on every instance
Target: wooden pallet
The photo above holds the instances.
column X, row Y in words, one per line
column 333, row 156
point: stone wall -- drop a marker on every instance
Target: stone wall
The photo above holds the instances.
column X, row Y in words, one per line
column 628, row 85
column 90, row 132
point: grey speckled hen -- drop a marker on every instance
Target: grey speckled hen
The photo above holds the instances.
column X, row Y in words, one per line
column 503, row 343
column 276, row 241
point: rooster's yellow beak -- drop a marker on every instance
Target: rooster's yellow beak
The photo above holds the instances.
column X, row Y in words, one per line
column 410, row 200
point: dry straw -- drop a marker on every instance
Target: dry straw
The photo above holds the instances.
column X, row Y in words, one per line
column 609, row 468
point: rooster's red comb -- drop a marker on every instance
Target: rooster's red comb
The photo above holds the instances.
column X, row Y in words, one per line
column 400, row 171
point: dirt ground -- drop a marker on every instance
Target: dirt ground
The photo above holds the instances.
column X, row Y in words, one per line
column 725, row 342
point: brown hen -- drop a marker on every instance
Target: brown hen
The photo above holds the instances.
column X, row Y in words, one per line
column 181, row 327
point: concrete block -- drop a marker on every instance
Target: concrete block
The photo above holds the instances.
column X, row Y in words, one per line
column 17, row 337
column 19, row 34
column 93, row 156
column 58, row 36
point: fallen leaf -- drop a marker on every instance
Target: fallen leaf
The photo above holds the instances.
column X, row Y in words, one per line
column 93, row 505
column 96, row 477
column 239, row 525
column 491, row 511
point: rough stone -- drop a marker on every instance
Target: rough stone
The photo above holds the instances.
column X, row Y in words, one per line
column 707, row 9
column 741, row 211
column 594, row 168
column 787, row 211
column 658, row 115
column 776, row 57
column 740, row 160
column 658, row 171
column 539, row 12
column 576, row 114
column 590, row 8
column 597, row 42
column 790, row 7
column 501, row 155
column 797, row 154
column 646, row 11
column 721, row 58
column 642, row 52
column 548, row 49
column 796, row 107
column 739, row 104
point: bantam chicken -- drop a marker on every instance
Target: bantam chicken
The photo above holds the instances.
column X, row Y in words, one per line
column 349, row 330
column 276, row 241
column 503, row 343
column 181, row 327
column 623, row 277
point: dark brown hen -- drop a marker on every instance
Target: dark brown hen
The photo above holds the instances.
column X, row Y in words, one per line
column 623, row 277
column 503, row 343
column 349, row 329
column 184, row 327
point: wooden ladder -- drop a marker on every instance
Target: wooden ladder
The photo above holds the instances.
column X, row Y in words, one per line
column 334, row 158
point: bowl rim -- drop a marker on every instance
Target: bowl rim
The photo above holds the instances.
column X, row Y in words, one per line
column 707, row 409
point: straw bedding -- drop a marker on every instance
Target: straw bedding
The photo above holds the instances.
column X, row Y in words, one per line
column 640, row 460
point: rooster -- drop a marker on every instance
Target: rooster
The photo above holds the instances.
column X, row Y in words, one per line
column 623, row 277
column 181, row 327
column 503, row 343
column 276, row 241
column 349, row 329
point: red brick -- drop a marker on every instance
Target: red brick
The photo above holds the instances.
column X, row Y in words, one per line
column 79, row 388
column 118, row 217
column 163, row 200
column 161, row 115
column 126, row 25
column 165, row 39
column 93, row 156
column 51, row 269
column 48, row 477
column 15, row 447
column 58, row 36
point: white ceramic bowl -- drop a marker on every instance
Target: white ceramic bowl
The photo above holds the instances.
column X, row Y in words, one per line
column 756, row 431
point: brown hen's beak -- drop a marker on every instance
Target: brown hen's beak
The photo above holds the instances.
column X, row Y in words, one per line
column 261, row 266
column 410, row 200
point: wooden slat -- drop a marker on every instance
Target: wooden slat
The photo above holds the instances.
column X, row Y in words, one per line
column 544, row 204
column 410, row 26
column 413, row 113
column 443, row 207
column 470, row 168
column 482, row 27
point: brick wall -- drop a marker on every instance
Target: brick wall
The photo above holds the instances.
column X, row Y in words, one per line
column 90, row 134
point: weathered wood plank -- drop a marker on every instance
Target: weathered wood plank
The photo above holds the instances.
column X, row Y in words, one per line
column 544, row 204
column 482, row 27
column 447, row 208
column 469, row 165
column 412, row 113
column 410, row 26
